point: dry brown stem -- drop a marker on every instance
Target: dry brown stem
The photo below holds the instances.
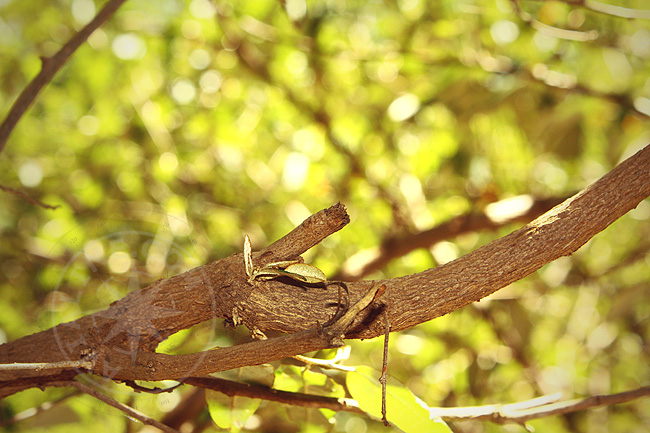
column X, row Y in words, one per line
column 232, row 389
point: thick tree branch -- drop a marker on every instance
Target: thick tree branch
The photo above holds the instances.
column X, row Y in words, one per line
column 432, row 293
column 125, row 365
column 394, row 247
column 120, row 340
column 50, row 67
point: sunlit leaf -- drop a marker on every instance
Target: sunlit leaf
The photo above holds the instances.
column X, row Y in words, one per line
column 403, row 409
column 230, row 413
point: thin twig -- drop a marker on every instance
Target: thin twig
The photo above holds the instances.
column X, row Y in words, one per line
column 83, row 363
column 384, row 369
column 536, row 408
column 520, row 412
column 26, row 197
column 50, row 67
column 124, row 408
column 231, row 389
column 140, row 388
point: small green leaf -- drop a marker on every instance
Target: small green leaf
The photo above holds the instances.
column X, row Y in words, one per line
column 403, row 409
column 231, row 413
column 288, row 378
column 228, row 413
column 174, row 341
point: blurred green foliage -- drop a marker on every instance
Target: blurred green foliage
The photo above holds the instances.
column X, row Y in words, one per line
column 180, row 126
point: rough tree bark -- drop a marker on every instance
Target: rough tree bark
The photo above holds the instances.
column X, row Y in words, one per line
column 119, row 342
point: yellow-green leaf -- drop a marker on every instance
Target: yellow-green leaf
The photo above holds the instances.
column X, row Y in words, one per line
column 230, row 413
column 403, row 409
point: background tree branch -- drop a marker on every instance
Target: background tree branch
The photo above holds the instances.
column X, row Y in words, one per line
column 399, row 246
column 26, row 197
column 50, row 66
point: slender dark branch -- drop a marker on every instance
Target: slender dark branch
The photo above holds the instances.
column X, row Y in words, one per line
column 124, row 408
column 140, row 388
column 232, row 389
column 50, row 67
column 189, row 409
column 26, row 197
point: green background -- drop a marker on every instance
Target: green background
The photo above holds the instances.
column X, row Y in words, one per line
column 180, row 126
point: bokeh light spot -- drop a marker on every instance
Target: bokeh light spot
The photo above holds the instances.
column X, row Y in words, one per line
column 30, row 174
column 119, row 262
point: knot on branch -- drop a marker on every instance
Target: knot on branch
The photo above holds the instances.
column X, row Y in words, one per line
column 335, row 332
